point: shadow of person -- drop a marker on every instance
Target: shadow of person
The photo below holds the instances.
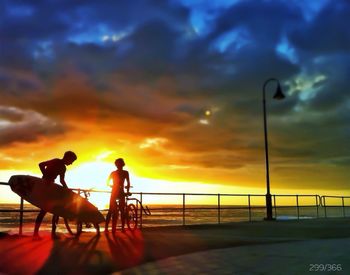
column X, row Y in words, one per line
column 22, row 255
column 126, row 249
column 73, row 256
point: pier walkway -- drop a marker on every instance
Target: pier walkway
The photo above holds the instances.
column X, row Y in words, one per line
column 275, row 247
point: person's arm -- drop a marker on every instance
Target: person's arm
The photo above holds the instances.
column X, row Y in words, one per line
column 62, row 175
column 108, row 180
column 42, row 166
column 62, row 181
column 127, row 182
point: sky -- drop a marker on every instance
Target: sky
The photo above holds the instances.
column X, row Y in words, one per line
column 175, row 88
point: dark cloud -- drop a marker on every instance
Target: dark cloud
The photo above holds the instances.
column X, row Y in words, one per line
column 24, row 126
column 153, row 50
column 26, row 23
column 266, row 30
column 328, row 31
column 334, row 90
column 10, row 114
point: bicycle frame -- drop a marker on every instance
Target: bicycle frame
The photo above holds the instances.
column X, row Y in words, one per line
column 133, row 212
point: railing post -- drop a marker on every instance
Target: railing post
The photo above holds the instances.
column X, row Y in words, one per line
column 141, row 211
column 21, row 218
column 183, row 209
column 250, row 209
column 218, row 208
column 342, row 198
column 317, row 205
column 325, row 207
column 274, row 205
column 297, row 197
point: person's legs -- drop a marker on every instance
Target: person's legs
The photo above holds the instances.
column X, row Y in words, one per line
column 115, row 217
column 108, row 218
column 38, row 221
column 111, row 210
column 122, row 212
column 54, row 225
column 97, row 227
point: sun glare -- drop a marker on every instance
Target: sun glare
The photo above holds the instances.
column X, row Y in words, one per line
column 89, row 175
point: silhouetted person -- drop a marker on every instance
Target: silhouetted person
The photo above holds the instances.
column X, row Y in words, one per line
column 118, row 194
column 51, row 169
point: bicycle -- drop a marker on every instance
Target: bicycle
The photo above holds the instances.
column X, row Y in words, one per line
column 75, row 228
column 132, row 213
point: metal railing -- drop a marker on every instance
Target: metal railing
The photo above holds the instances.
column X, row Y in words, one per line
column 297, row 203
column 339, row 199
column 219, row 207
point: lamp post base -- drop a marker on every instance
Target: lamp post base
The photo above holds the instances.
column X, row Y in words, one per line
column 269, row 216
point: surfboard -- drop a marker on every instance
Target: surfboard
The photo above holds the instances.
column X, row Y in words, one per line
column 55, row 199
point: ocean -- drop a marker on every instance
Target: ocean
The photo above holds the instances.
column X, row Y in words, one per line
column 170, row 215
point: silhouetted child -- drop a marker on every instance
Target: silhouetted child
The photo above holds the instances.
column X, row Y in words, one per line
column 118, row 194
column 50, row 170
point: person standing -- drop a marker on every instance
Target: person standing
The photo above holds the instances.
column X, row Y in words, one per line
column 118, row 194
column 50, row 170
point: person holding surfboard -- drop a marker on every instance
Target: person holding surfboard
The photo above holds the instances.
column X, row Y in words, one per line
column 50, row 170
column 118, row 193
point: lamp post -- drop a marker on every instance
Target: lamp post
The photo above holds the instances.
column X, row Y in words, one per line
column 278, row 95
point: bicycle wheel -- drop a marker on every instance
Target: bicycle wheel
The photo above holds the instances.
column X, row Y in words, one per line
column 131, row 216
column 74, row 228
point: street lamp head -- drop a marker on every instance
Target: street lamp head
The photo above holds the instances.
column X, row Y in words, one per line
column 279, row 94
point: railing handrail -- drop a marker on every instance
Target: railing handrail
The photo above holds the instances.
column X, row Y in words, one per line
column 339, row 197
column 324, row 197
